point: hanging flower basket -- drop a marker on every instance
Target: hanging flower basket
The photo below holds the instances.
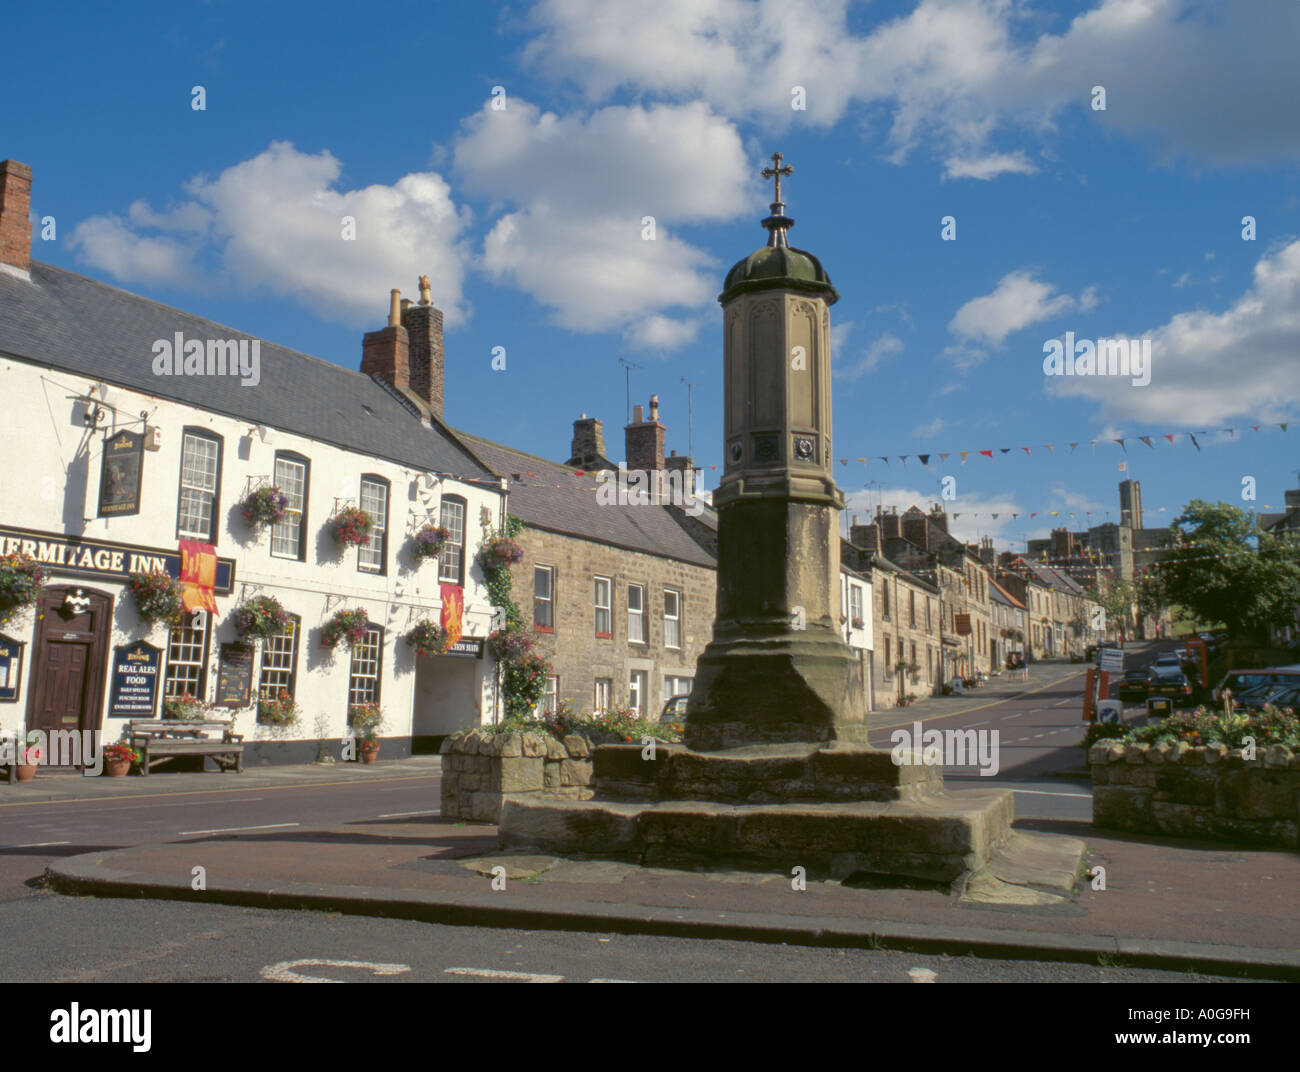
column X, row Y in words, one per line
column 266, row 505
column 352, row 526
column 428, row 542
column 277, row 710
column 21, row 577
column 260, row 617
column 509, row 645
column 427, row 638
column 349, row 626
column 500, row 552
column 157, row 597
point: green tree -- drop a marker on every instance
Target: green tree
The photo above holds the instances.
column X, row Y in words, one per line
column 1116, row 598
column 1224, row 569
column 1150, row 594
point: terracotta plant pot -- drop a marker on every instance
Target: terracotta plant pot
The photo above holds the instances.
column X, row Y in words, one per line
column 26, row 771
column 117, row 768
column 369, row 751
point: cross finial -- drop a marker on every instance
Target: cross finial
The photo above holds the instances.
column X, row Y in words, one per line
column 775, row 172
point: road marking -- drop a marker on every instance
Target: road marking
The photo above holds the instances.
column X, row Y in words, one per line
column 283, row 971
column 1044, row 793
column 492, row 973
column 403, row 814
column 611, row 980
column 984, row 723
column 41, row 844
column 235, row 829
column 922, row 975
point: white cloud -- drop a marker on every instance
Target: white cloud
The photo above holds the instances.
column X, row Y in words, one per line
column 929, row 429
column 1212, row 367
column 578, row 190
column 273, row 224
column 1018, row 301
column 988, row 167
column 661, row 333
column 886, row 346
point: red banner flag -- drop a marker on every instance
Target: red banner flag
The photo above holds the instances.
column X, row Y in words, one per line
column 198, row 575
column 453, row 611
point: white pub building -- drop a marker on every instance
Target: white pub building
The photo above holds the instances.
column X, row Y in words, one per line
column 129, row 428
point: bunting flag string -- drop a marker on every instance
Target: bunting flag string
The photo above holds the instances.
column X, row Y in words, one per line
column 1122, row 441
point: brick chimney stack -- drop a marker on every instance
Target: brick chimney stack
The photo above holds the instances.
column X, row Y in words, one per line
column 890, row 525
column 386, row 353
column 588, row 446
column 865, row 536
column 644, row 439
column 423, row 323
column 675, row 464
column 15, row 209
column 916, row 528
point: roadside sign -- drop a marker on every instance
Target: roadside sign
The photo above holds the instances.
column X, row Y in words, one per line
column 1112, row 660
column 1109, row 711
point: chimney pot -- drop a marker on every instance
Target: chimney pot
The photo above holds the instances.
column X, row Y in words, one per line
column 654, row 407
column 638, row 415
column 395, row 308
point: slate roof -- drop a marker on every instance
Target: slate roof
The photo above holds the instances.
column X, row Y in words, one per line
column 1001, row 595
column 547, row 495
column 90, row 329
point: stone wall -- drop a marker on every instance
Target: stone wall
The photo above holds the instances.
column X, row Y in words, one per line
column 479, row 770
column 1208, row 791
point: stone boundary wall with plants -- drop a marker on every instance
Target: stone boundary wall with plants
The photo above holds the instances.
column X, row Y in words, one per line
column 480, row 769
column 1206, row 791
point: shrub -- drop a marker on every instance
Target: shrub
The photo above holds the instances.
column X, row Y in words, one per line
column 157, row 597
column 352, row 526
column 260, row 617
column 266, row 505
column 349, row 626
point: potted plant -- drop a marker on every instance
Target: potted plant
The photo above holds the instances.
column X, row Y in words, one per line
column 500, row 552
column 157, row 597
column 427, row 638
column 348, row 626
column 21, row 577
column 266, row 505
column 260, row 617
column 352, row 526
column 278, row 710
column 185, row 708
column 365, row 720
column 429, row 541
column 856, row 623
column 29, row 758
column 118, row 759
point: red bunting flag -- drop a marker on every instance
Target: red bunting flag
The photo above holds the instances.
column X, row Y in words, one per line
column 987, row 453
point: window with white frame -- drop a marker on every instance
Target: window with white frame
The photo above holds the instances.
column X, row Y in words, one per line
column 604, row 694
column 544, row 597
column 636, row 613
column 855, row 605
column 200, row 475
column 279, row 661
column 287, row 535
column 604, row 616
column 187, row 656
column 374, row 501
column 551, row 695
column 636, row 691
column 452, row 559
column 672, row 618
column 367, row 664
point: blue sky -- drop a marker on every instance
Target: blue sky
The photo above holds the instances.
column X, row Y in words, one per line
column 1125, row 222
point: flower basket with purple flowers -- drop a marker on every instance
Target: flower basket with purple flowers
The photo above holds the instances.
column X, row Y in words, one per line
column 260, row 617
column 157, row 596
column 349, row 626
column 509, row 644
column 352, row 526
column 500, row 552
column 266, row 505
column 428, row 542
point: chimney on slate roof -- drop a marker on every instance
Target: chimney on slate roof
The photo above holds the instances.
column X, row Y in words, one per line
column 588, row 445
column 15, row 209
column 644, row 440
column 385, row 353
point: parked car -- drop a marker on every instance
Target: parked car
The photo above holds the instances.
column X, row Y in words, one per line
column 1241, row 680
column 675, row 709
column 1169, row 658
column 1171, row 682
column 1133, row 685
column 1278, row 695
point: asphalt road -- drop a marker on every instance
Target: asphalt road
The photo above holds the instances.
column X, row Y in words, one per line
column 49, row 938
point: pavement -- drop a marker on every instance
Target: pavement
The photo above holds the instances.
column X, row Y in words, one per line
column 1167, row 903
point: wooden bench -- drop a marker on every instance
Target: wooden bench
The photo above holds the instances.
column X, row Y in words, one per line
column 160, row 739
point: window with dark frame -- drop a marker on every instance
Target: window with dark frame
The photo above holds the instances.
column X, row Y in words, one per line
column 288, row 537
column 544, row 598
column 198, row 499
column 366, row 668
column 372, row 556
column 451, row 562
column 187, row 656
column 280, row 661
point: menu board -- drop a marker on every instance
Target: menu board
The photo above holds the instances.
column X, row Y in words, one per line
column 11, row 667
column 235, row 678
column 135, row 679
